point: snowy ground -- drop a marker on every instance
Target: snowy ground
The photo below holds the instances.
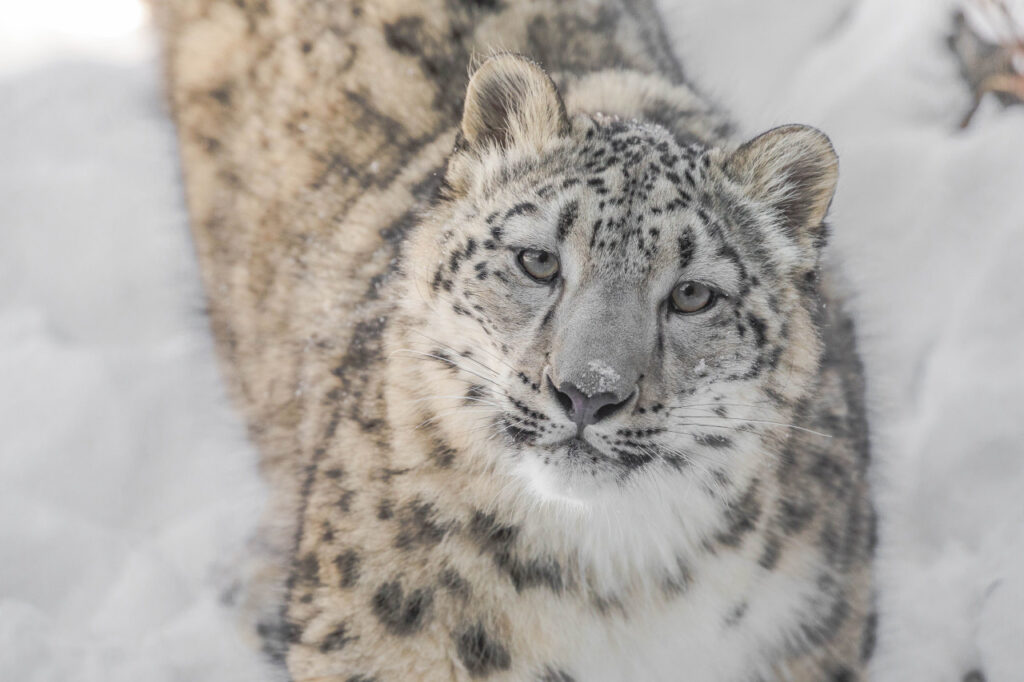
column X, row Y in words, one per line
column 127, row 488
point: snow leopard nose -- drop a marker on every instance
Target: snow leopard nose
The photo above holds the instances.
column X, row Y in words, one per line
column 586, row 409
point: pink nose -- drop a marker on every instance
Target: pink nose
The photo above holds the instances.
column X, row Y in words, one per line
column 586, row 409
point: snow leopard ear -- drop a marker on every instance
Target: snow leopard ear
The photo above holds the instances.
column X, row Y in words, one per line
column 794, row 169
column 512, row 101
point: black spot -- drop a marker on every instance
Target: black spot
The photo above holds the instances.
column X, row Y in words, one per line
column 418, row 526
column 833, row 610
column 521, row 209
column 455, row 261
column 974, row 676
column 741, row 517
column 363, row 349
column 345, row 500
column 385, row 511
column 498, row 540
column 828, row 539
column 721, row 478
column 399, row 614
column 387, row 473
column 633, row 460
column 794, row 516
column 842, row 674
column 758, row 325
column 872, row 532
column 405, row 35
column 712, row 440
column 518, row 434
column 481, row 654
column 677, row 462
column 336, row 640
column 222, row 94
column 736, row 615
column 443, row 454
column 869, row 639
column 770, row 555
column 831, row 473
column 307, row 569
column 348, row 565
column 276, row 637
column 455, row 583
column 567, row 218
column 679, row 581
column 553, row 674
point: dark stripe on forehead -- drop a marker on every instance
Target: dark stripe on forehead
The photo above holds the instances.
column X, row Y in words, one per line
column 727, row 252
column 521, row 209
column 567, row 218
column 686, row 247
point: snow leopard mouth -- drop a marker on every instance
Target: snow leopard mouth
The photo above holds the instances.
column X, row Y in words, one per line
column 579, row 448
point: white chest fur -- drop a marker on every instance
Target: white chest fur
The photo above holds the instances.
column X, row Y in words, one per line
column 724, row 627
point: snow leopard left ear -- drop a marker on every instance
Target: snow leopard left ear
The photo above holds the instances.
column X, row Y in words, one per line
column 794, row 169
column 510, row 101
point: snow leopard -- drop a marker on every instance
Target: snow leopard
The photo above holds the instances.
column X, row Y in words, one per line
column 548, row 374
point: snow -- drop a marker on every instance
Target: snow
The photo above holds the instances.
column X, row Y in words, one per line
column 128, row 490
column 600, row 377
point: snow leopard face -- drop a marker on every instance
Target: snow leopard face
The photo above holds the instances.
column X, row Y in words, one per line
column 623, row 306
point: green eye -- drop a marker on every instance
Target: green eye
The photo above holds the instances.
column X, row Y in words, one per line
column 692, row 297
column 539, row 265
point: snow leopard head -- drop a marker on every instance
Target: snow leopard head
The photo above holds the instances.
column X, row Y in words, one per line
column 608, row 302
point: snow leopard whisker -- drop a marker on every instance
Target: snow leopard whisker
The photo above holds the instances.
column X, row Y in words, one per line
column 447, row 361
column 727, row 427
column 448, row 413
column 481, row 349
column 489, row 424
column 461, row 354
column 702, row 468
column 709, row 407
column 506, row 427
column 456, row 397
column 756, row 405
column 465, row 354
column 767, row 453
column 795, row 427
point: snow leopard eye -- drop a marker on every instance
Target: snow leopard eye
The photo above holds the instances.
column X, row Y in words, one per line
column 692, row 297
column 539, row 265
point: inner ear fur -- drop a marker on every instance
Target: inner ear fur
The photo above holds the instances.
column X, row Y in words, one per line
column 511, row 101
column 794, row 168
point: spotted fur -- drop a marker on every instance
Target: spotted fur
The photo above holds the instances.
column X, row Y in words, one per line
column 358, row 203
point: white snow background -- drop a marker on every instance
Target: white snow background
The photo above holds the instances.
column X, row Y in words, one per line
column 127, row 487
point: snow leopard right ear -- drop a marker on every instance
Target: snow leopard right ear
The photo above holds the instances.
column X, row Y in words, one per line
column 794, row 169
column 511, row 101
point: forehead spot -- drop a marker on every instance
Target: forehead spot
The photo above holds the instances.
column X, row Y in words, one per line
column 567, row 219
column 523, row 208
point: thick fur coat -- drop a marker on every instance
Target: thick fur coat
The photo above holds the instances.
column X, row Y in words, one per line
column 547, row 378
